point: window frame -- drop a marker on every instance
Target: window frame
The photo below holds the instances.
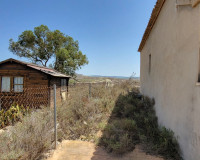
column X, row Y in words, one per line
column 150, row 63
column 198, row 76
column 10, row 85
column 13, row 87
column 65, row 86
column 0, row 83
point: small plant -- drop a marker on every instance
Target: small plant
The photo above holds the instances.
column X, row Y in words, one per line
column 120, row 136
column 12, row 115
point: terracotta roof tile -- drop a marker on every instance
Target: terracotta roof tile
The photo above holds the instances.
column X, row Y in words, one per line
column 154, row 16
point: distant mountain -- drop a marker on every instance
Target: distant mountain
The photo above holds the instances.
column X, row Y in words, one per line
column 117, row 77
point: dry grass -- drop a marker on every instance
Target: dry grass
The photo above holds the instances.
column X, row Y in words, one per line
column 28, row 138
column 114, row 111
column 81, row 117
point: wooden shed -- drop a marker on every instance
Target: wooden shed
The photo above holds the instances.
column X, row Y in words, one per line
column 30, row 85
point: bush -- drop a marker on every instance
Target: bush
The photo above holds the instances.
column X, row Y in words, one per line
column 120, row 136
column 12, row 115
column 79, row 117
column 134, row 121
column 28, row 138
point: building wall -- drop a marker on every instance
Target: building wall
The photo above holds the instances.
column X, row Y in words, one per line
column 32, row 77
column 174, row 48
column 38, row 87
column 35, row 89
column 60, row 95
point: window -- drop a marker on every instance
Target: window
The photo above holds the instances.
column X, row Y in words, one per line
column 150, row 63
column 63, row 84
column 5, row 84
column 18, row 84
column 199, row 70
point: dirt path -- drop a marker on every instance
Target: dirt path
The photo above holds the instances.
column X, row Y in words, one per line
column 79, row 150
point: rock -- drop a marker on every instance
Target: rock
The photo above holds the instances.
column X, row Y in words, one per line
column 1, row 131
column 82, row 137
column 85, row 122
column 99, row 134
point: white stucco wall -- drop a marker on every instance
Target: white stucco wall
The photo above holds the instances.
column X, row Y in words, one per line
column 174, row 48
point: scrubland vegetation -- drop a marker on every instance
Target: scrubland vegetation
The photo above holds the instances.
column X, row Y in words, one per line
column 13, row 114
column 116, row 118
column 28, row 138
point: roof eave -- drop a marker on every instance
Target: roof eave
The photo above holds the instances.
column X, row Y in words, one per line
column 30, row 65
column 154, row 16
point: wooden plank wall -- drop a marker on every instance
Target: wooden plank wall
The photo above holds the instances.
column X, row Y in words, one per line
column 59, row 98
column 36, row 85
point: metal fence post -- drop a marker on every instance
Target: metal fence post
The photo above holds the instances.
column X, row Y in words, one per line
column 55, row 125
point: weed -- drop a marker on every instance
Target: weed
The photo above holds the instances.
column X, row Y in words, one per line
column 12, row 115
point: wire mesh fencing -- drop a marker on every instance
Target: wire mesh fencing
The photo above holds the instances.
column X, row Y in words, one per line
column 43, row 96
column 91, row 90
column 28, row 97
column 85, row 89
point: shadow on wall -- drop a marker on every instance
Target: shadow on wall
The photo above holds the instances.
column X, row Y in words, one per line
column 133, row 123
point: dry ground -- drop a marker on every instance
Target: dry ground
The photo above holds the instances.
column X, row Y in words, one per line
column 80, row 150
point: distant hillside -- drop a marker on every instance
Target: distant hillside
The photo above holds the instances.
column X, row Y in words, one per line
column 117, row 77
column 98, row 78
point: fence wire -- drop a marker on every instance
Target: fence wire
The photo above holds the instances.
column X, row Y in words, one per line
column 43, row 96
column 29, row 97
column 86, row 89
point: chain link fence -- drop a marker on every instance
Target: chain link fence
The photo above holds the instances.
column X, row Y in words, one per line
column 43, row 96
column 37, row 97
column 29, row 97
column 86, row 89
column 94, row 89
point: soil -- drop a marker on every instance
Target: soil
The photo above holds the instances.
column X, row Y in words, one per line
column 81, row 150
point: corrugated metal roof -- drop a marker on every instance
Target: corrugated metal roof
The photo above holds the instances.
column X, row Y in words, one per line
column 46, row 70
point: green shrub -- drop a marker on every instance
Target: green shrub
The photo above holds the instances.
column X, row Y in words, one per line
column 133, row 121
column 120, row 136
column 12, row 115
column 167, row 144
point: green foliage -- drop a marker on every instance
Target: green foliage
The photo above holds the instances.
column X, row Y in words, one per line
column 138, row 114
column 120, row 136
column 12, row 115
column 70, row 58
column 42, row 44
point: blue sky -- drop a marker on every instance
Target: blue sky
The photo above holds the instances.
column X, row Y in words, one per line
column 109, row 31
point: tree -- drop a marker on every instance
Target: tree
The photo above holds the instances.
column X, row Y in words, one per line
column 42, row 44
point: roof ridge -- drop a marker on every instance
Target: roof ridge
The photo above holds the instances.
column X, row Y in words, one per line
column 43, row 69
column 36, row 65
